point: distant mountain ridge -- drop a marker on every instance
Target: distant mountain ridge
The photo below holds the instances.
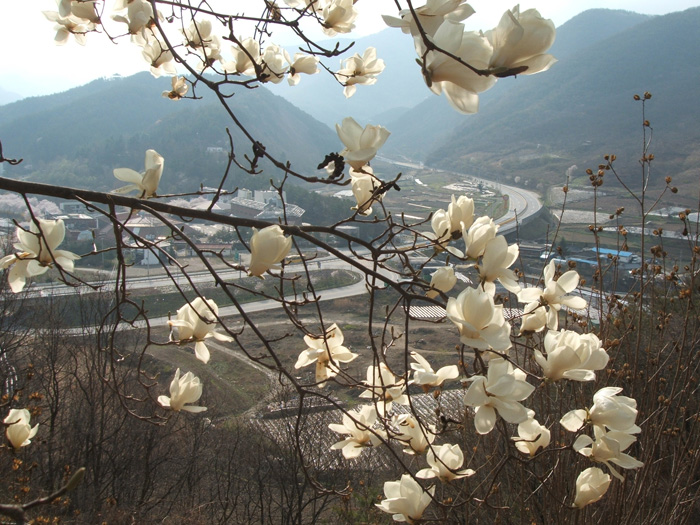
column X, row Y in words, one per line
column 78, row 137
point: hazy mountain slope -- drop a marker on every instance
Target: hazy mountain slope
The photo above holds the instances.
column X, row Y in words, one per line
column 80, row 136
column 438, row 119
column 7, row 97
column 583, row 107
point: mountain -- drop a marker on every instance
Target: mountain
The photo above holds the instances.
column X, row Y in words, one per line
column 438, row 119
column 8, row 96
column 583, row 108
column 78, row 137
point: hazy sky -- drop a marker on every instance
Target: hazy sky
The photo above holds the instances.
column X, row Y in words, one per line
column 31, row 64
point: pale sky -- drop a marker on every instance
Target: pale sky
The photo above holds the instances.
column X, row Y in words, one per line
column 31, row 64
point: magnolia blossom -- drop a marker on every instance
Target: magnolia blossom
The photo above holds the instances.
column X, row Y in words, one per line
column 495, row 265
column 383, row 387
column 480, row 322
column 274, row 64
column 245, row 58
column 441, row 225
column 607, row 448
column 196, row 321
column 554, row 296
column 359, row 70
column 338, row 16
column 534, row 318
column 520, row 41
column 531, row 435
column 501, row 391
column 444, row 74
column 608, row 411
column 405, row 499
column 442, row 280
column 413, row 436
column 268, row 247
column 357, row 426
column 444, row 462
column 199, row 37
column 19, row 432
column 183, row 390
column 84, row 9
column 361, row 144
column 139, row 17
column 179, row 89
column 423, row 373
column 69, row 25
column 36, row 252
column 591, row 485
column 326, row 351
column 302, row 63
column 145, row 183
column 571, row 356
column 478, row 235
column 461, row 214
column 364, row 184
column 160, row 58
column 430, row 16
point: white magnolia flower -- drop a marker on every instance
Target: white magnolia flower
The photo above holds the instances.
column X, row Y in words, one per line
column 359, row 70
column 442, row 280
column 326, row 351
column 364, row 184
column 36, row 252
column 19, row 432
column 607, row 448
column 444, row 462
column 461, row 214
column 571, row 356
column 274, row 64
column 444, row 74
column 361, row 144
column 406, row 499
column 85, row 9
column 383, row 387
column 179, row 89
column 591, row 485
column 302, row 63
column 480, row 322
column 423, row 373
column 245, row 58
column 534, row 318
column 268, row 247
column 520, row 41
column 196, row 321
column 159, row 57
column 145, row 183
column 338, row 16
column 199, row 38
column 531, row 435
column 495, row 265
column 478, row 235
column 441, row 225
column 69, row 25
column 357, row 426
column 414, row 437
column 139, row 17
column 554, row 296
column 501, row 391
column 183, row 390
column 430, row 16
column 608, row 411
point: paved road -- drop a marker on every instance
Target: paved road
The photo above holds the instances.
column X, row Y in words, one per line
column 523, row 203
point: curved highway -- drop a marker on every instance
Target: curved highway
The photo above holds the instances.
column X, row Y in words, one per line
column 521, row 203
